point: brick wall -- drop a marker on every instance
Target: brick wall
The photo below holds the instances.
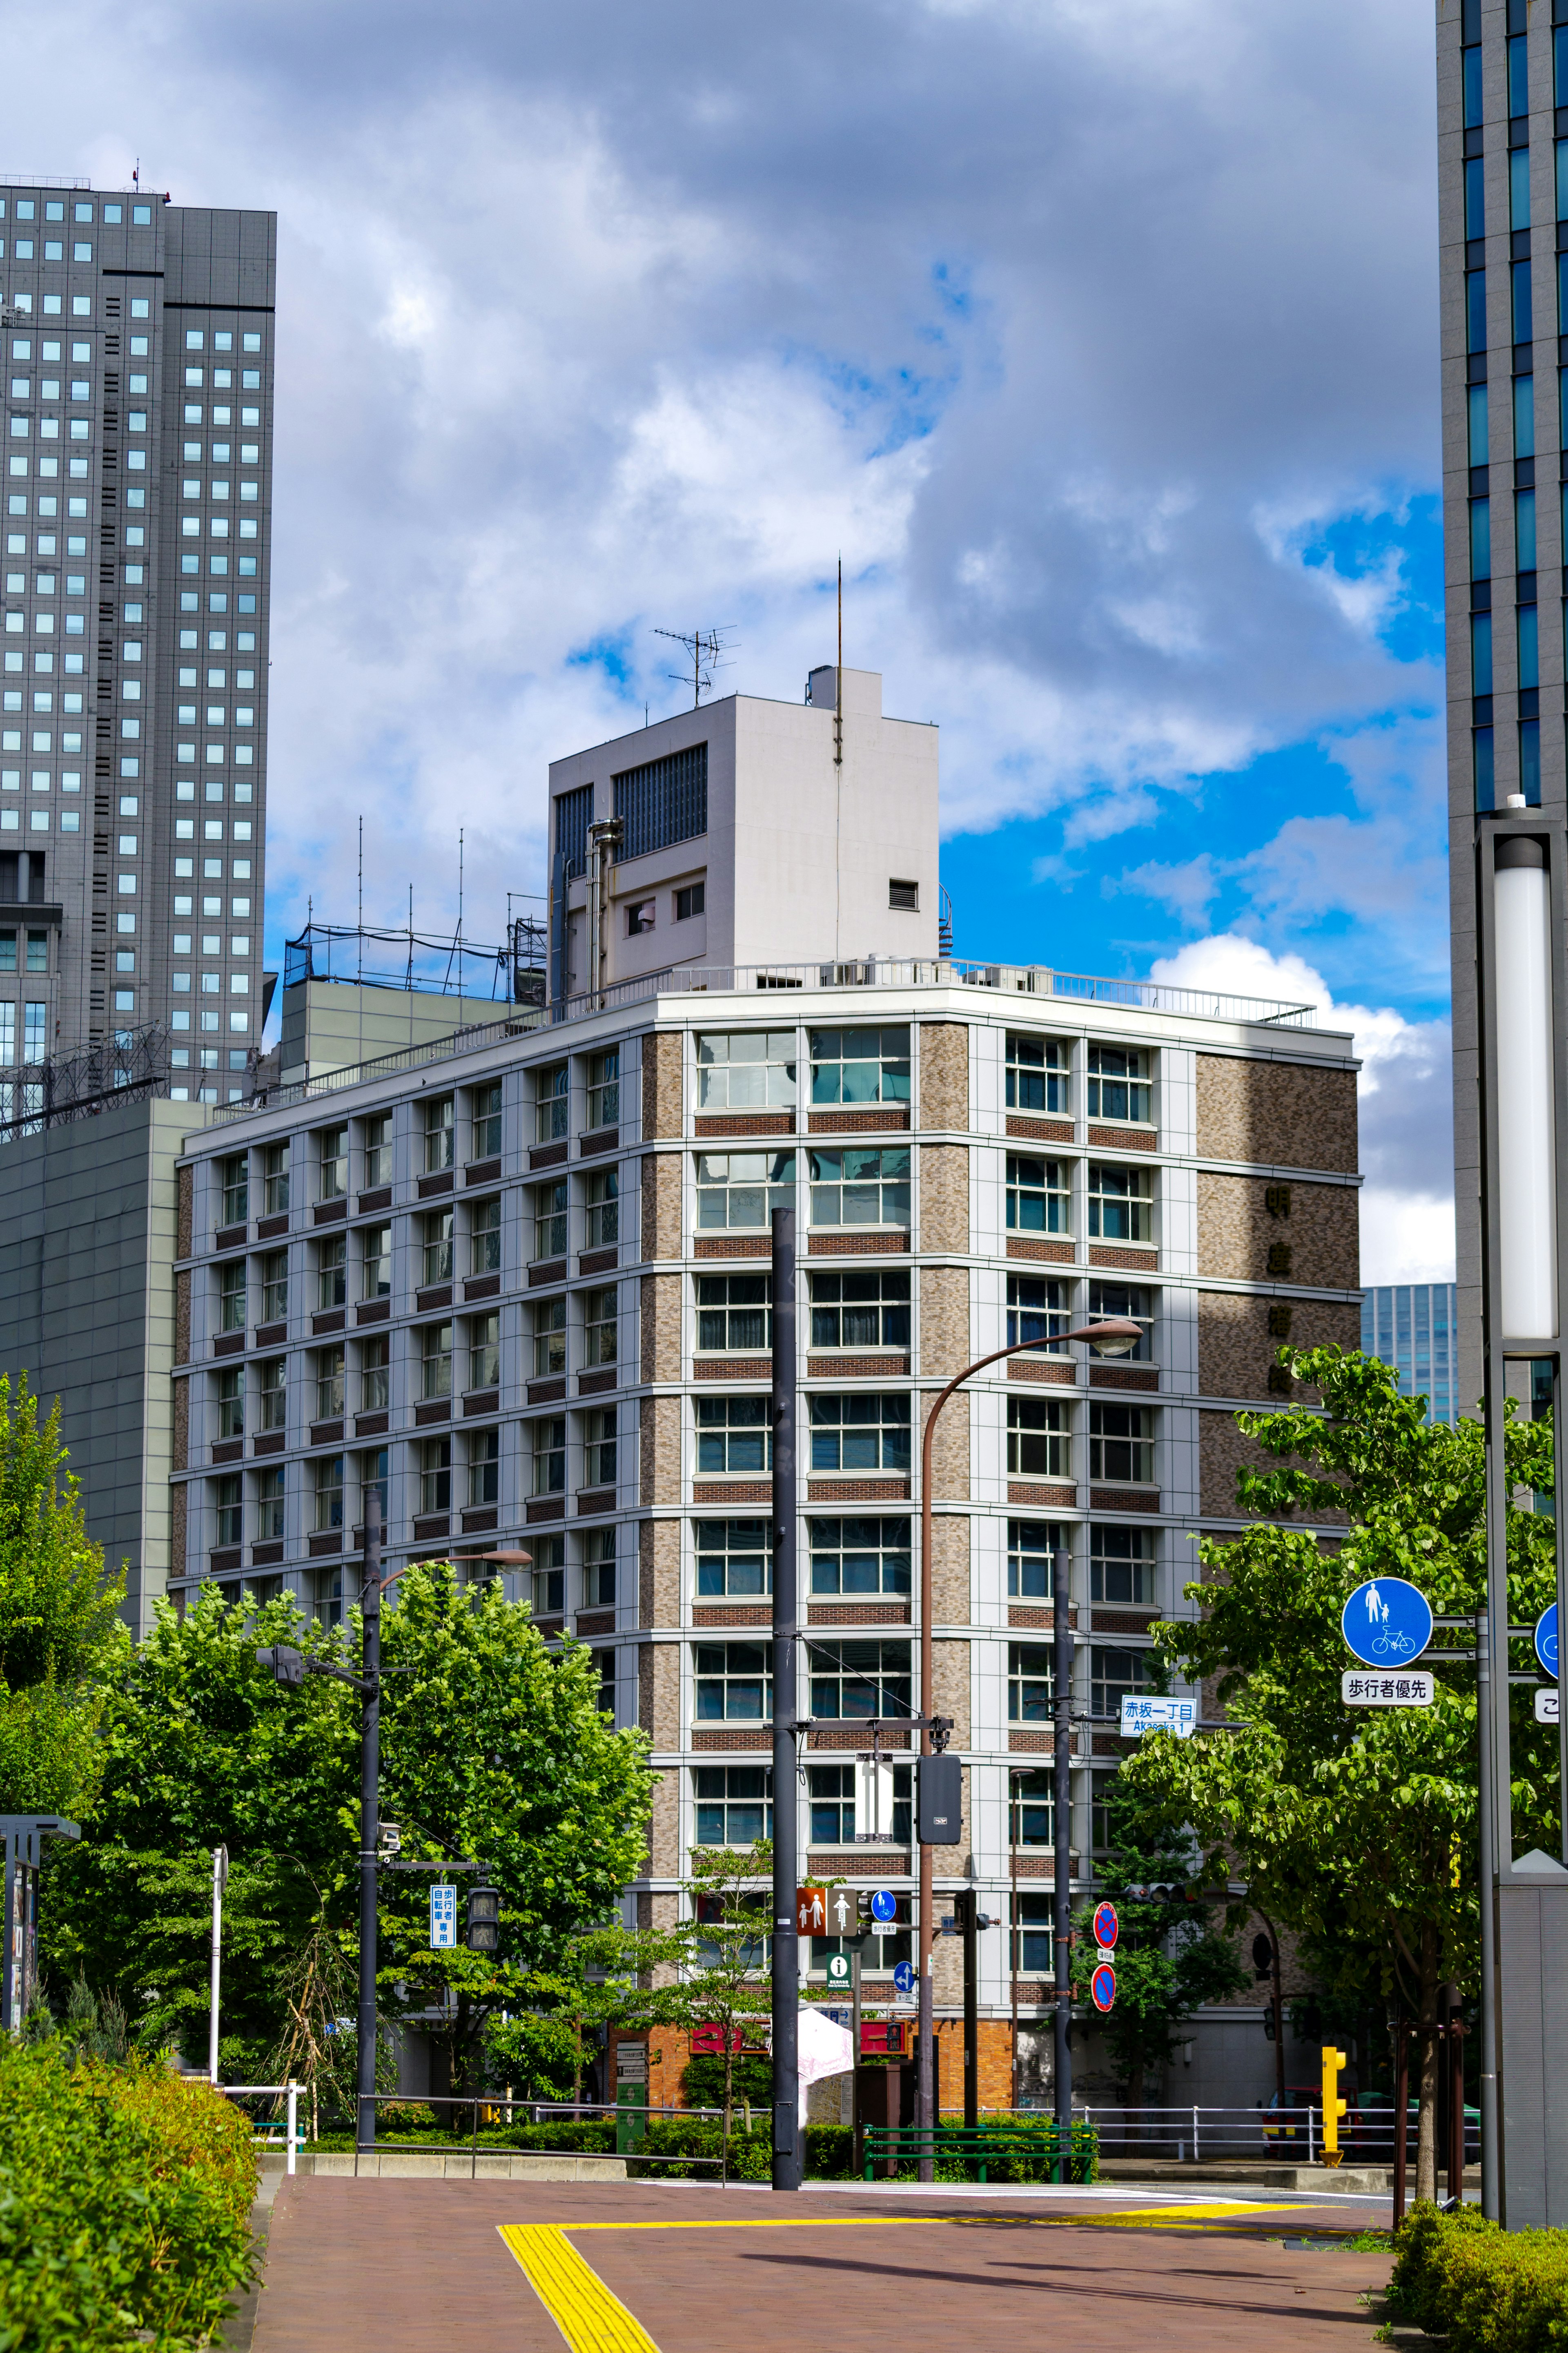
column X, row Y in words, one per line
column 1240, row 1335
column 658, row 1693
column 1222, row 1452
column 183, row 1318
column 945, row 1319
column 1284, row 1114
column 660, row 1324
column 945, row 1197
column 658, row 1573
column 660, row 1204
column 178, row 1532
column 945, row 1074
column 950, row 1689
column 659, row 1465
column 661, row 1068
column 664, row 1834
column 949, row 1570
column 950, row 1451
column 1241, row 1237
column 185, row 1188
column 993, row 2045
column 181, row 1455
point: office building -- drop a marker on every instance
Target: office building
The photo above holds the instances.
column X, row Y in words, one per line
column 1411, row 1325
column 138, row 375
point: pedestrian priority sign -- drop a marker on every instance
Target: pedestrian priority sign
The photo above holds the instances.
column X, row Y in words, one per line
column 1416, row 1688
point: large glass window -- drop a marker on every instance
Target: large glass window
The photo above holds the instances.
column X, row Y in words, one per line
column 484, row 1351
column 1029, row 1683
column 1033, row 1944
column 1129, row 1302
column 333, row 1163
column 1120, row 1210
column 733, row 1684
column 231, row 1295
column 549, row 1580
column 860, row 1066
column 734, row 1804
column 1480, row 653
column 1031, row 1550
column 438, row 1246
column 440, row 1134
column 859, row 1188
column 1121, row 1444
column 373, row 1481
column 742, row 1189
column 484, row 1466
column 553, row 1103
column 329, row 1384
column 1475, row 309
column 231, row 1403
column 600, row 1323
column 1037, row 1310
column 484, row 1237
column 1475, row 198
column 273, row 1388
column 436, row 1474
column 375, row 1261
column 745, row 1070
column 735, row 1437
column 1519, row 74
column 599, row 1447
column 436, row 1360
column 1037, row 1074
column 375, row 1373
column 1121, row 1564
column 1480, row 539
column 376, row 1135
column 332, row 1271
column 269, row 1504
column 235, row 1174
column 1477, row 409
column 859, row 1556
column 861, row 1310
column 601, row 1195
column 275, row 1180
column 598, row 1559
column 1036, row 1196
column 859, row 1679
column 734, row 1313
column 1113, row 1675
column 604, row 1088
column 274, row 1286
column 550, row 1219
column 1037, row 1441
column 548, row 1445
column 228, row 1510
column 1031, row 1811
column 549, row 1337
column 1524, row 530
column 1524, row 415
column 1118, row 1082
column 329, row 1497
column 734, row 1559
column 487, row 1119
column 1524, row 302
column 860, row 1432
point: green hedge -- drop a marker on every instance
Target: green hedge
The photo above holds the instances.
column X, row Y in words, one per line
column 125, row 2200
column 1486, row 2289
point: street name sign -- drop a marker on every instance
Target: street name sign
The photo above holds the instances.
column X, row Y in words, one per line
column 1140, row 1715
column 443, row 1919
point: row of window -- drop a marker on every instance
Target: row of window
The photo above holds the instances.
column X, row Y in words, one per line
column 25, row 208
column 868, row 1555
column 848, row 1679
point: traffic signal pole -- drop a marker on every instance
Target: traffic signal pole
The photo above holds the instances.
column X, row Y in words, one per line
column 967, row 1904
column 1061, row 1874
column 369, row 1809
column 789, row 2136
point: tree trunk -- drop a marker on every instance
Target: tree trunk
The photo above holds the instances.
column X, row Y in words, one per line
column 729, row 2077
column 1427, row 2147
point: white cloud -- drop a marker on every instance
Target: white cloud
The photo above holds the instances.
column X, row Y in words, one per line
column 1405, row 1100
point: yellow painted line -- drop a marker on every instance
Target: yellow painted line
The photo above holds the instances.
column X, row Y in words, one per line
column 589, row 2317
column 1185, row 2215
column 769, row 2222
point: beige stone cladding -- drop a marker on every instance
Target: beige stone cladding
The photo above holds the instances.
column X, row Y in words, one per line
column 950, row 1690
column 1284, row 1114
column 945, row 1074
column 658, row 1573
column 1309, row 1235
column 944, row 1320
column 949, row 1570
column 949, row 1449
column 662, row 1051
column 184, row 1185
column 658, row 1693
column 661, row 1204
column 1240, row 1337
column 658, row 1468
column 945, row 1197
column 1222, row 1452
column 660, row 1327
column 664, row 1830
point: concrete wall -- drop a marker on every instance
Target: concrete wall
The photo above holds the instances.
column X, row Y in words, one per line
column 330, row 1025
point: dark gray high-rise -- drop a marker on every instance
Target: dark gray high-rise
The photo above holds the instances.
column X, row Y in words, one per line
column 138, row 349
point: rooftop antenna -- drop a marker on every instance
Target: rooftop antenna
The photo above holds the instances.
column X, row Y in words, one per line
column 838, row 680
column 136, row 174
column 359, row 967
column 459, row 911
column 707, row 649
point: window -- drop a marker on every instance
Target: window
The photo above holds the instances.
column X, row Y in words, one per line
column 333, row 1163
column 734, row 1559
column 377, row 1134
column 1036, row 1439
column 550, row 1220
column 599, row 1323
column 275, row 1285
column 1036, row 1196
column 486, row 1122
column 1121, row 1564
column 601, row 1193
column 860, row 1434
column 1029, row 1681
column 549, row 1338
column 484, row 1467
column 1475, row 309
column 1121, row 1444
column 484, row 1351
column 548, row 1438
column 438, row 1246
column 1120, row 1210
column 1032, row 1546
column 1517, row 73
column 1480, row 653
column 1037, row 1074
column 1525, row 531
column 1034, row 1944
column 859, row 1188
column 641, row 916
column 859, row 1679
column 604, row 1088
column 231, row 1296
column 832, row 1807
column 549, row 1580
column 599, row 1569
column 272, row 1387
column 227, row 1509
column 663, row 801
column 1476, row 197
column 332, row 1271
column 1480, row 539
column 1030, row 1809
column 436, row 1474
column 329, row 1384
column 553, row 1103
column 231, row 1403
column 329, row 1478
column 742, row 1189
column 440, row 1134
column 372, row 1482
column 235, row 1177
column 860, row 1311
column 435, row 1359
column 733, row 1804
column 733, row 1313
column 1037, row 1310
column 375, row 1373
column 735, row 1437
column 691, row 899
column 328, row 1583
column 275, row 1179
column 1523, row 385
column 269, row 1500
column 375, row 1261
column 1118, row 1083
column 852, row 1556
column 860, row 1066
column 745, row 1070
column 599, row 1447
column 733, row 1684
column 1128, row 1301
column 1113, row 1675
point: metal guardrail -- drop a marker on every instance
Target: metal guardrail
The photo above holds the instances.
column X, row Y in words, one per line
column 290, row 2091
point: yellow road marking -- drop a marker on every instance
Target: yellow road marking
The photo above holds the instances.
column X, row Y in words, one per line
column 1194, row 2214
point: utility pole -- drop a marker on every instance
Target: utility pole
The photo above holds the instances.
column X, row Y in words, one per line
column 369, row 1809
column 788, row 2135
column 220, row 1881
column 1061, row 1873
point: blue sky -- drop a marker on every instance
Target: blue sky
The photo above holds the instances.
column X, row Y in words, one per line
column 1101, row 344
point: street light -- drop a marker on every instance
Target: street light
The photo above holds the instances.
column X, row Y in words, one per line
column 1115, row 1335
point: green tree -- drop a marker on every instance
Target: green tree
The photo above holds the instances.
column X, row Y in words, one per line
column 605, row 1978
column 61, row 1638
column 1169, row 1958
column 725, row 1980
column 1357, row 1828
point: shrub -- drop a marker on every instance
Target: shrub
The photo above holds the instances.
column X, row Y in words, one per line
column 124, row 2205
column 1486, row 2289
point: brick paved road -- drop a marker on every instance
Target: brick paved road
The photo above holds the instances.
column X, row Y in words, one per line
column 419, row 2268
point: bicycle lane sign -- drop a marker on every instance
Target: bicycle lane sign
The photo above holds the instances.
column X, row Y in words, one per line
column 1386, row 1622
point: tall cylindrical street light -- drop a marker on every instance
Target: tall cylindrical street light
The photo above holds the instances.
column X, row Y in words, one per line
column 1115, row 1336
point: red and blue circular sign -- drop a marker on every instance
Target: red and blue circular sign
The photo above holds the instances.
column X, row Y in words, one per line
column 1102, row 1986
column 1107, row 1927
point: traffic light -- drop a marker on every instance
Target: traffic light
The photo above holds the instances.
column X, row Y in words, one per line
column 1334, row 2107
column 285, row 1666
column 483, row 1933
column 939, row 1801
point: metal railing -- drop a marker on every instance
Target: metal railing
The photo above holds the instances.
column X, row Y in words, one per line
column 492, row 2110
column 261, row 2139
column 1202, row 2135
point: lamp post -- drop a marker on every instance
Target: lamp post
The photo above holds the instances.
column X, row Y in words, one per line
column 1115, row 1336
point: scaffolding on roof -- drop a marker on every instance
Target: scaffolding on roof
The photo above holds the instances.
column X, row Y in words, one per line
column 439, row 964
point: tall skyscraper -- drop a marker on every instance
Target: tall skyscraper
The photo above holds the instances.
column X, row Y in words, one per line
column 137, row 348
column 1410, row 1326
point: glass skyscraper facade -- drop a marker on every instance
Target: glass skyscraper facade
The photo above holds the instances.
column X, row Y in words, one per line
column 1411, row 1325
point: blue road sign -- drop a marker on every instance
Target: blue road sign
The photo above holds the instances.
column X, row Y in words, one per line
column 443, row 1919
column 1102, row 1986
column 1106, row 1926
column 884, row 1905
column 904, row 1978
column 1386, row 1622
column 1546, row 1638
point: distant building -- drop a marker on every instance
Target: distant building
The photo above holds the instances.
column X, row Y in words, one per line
column 1413, row 1327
